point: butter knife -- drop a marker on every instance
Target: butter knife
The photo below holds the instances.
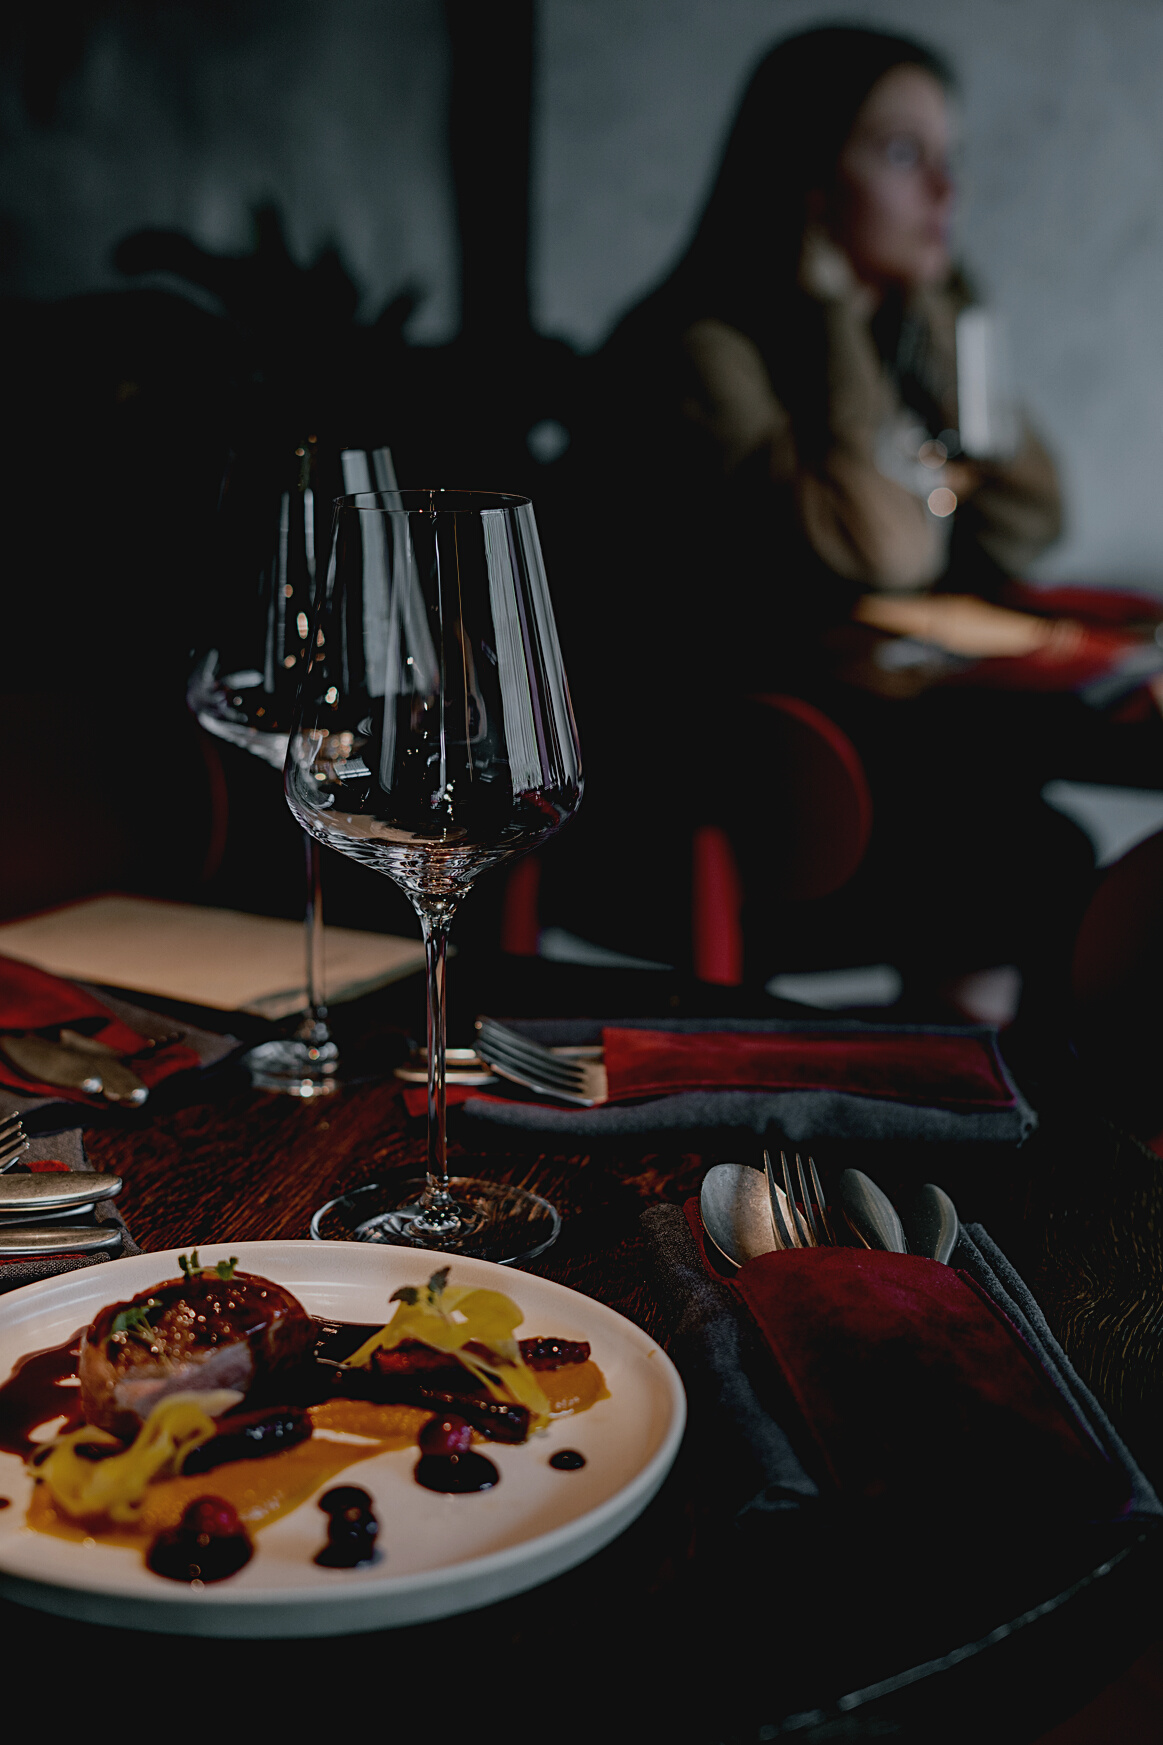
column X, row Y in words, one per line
column 31, row 1241
column 76, row 1063
column 54, row 1190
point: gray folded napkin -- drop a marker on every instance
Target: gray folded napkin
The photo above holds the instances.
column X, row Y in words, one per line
column 798, row 1117
column 725, row 1367
column 66, row 1147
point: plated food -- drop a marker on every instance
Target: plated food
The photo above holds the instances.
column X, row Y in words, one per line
column 209, row 1405
column 434, row 1554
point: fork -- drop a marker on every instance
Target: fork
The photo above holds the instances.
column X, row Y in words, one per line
column 809, row 1227
column 13, row 1143
column 569, row 1078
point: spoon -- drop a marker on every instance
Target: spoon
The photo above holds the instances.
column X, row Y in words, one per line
column 931, row 1223
column 869, row 1213
column 736, row 1212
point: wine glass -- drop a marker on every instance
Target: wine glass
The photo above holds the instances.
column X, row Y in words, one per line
column 434, row 738
column 245, row 674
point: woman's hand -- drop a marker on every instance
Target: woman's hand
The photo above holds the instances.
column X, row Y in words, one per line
column 827, row 274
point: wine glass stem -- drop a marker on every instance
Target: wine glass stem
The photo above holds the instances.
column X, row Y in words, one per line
column 439, row 1206
column 314, row 1026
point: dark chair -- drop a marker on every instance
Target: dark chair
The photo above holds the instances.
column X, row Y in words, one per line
column 811, row 833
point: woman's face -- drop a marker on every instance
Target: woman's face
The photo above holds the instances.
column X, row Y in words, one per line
column 893, row 204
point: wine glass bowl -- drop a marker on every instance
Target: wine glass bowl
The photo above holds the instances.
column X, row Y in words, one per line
column 433, row 738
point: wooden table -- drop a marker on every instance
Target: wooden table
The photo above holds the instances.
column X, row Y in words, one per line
column 629, row 1644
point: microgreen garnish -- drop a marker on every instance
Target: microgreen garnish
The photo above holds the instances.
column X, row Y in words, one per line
column 135, row 1321
column 410, row 1295
column 190, row 1266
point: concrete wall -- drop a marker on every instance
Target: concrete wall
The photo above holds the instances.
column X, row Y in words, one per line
column 335, row 109
column 332, row 109
column 1061, row 222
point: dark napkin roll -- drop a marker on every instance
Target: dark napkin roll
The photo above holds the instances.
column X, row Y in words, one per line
column 33, row 1000
column 959, row 1071
column 802, row 1081
column 63, row 1151
column 903, row 1387
column 914, row 1387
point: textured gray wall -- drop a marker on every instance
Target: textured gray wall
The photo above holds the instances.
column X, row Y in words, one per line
column 336, row 111
column 1061, row 221
column 333, row 109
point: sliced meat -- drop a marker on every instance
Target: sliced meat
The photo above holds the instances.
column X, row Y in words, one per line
column 197, row 1333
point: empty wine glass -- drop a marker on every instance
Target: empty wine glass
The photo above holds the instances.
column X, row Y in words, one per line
column 434, row 738
column 272, row 518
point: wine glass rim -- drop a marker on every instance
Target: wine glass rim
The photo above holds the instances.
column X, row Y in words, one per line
column 439, row 501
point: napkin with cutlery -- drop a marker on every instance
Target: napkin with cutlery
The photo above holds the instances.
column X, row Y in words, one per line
column 60, row 1039
column 807, row 1081
column 888, row 1384
column 64, row 1152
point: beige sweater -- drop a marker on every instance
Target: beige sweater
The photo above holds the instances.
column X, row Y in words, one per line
column 865, row 525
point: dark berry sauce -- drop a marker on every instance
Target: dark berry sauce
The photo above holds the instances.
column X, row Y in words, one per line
column 43, row 1386
column 210, row 1544
column 567, row 1460
column 352, row 1528
column 456, row 1474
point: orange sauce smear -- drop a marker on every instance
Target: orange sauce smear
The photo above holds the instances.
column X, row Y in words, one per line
column 272, row 1485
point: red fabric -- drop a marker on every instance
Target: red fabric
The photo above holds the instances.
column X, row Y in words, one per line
column 955, row 1072
column 916, row 1390
column 31, row 999
column 1098, row 605
column 716, row 917
column 1047, row 669
column 416, row 1097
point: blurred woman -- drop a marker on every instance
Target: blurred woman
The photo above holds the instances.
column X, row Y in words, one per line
column 783, row 413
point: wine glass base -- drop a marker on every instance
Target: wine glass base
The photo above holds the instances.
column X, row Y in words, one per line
column 497, row 1223
column 293, row 1067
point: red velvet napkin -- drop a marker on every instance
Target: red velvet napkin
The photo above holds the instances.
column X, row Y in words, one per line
column 916, row 1391
column 31, row 999
column 955, row 1072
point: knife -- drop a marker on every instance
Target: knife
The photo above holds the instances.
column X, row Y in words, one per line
column 33, row 1241
column 55, row 1191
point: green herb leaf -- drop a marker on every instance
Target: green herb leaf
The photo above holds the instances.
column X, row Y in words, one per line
column 225, row 1268
column 437, row 1283
column 135, row 1321
column 189, row 1265
column 406, row 1294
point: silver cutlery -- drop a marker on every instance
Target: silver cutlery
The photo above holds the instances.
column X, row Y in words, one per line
column 13, row 1142
column 930, row 1222
column 869, row 1213
column 31, row 1241
column 55, row 1191
column 800, row 1221
column 75, row 1062
column 736, row 1214
column 572, row 1076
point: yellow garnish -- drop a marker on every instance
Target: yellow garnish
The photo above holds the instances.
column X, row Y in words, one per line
column 116, row 1486
column 447, row 1319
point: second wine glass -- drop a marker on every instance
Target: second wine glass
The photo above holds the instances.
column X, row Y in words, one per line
column 433, row 739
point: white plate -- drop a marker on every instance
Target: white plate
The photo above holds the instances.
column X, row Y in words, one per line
column 444, row 1554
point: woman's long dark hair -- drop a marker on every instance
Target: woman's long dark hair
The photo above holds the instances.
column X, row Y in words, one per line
column 797, row 111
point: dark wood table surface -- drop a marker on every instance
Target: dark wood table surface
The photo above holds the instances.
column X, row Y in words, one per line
column 624, row 1643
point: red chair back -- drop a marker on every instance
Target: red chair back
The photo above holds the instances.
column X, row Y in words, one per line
column 1118, row 949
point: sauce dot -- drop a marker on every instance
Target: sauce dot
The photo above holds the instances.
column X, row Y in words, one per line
column 5, row 1502
column 567, row 1460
